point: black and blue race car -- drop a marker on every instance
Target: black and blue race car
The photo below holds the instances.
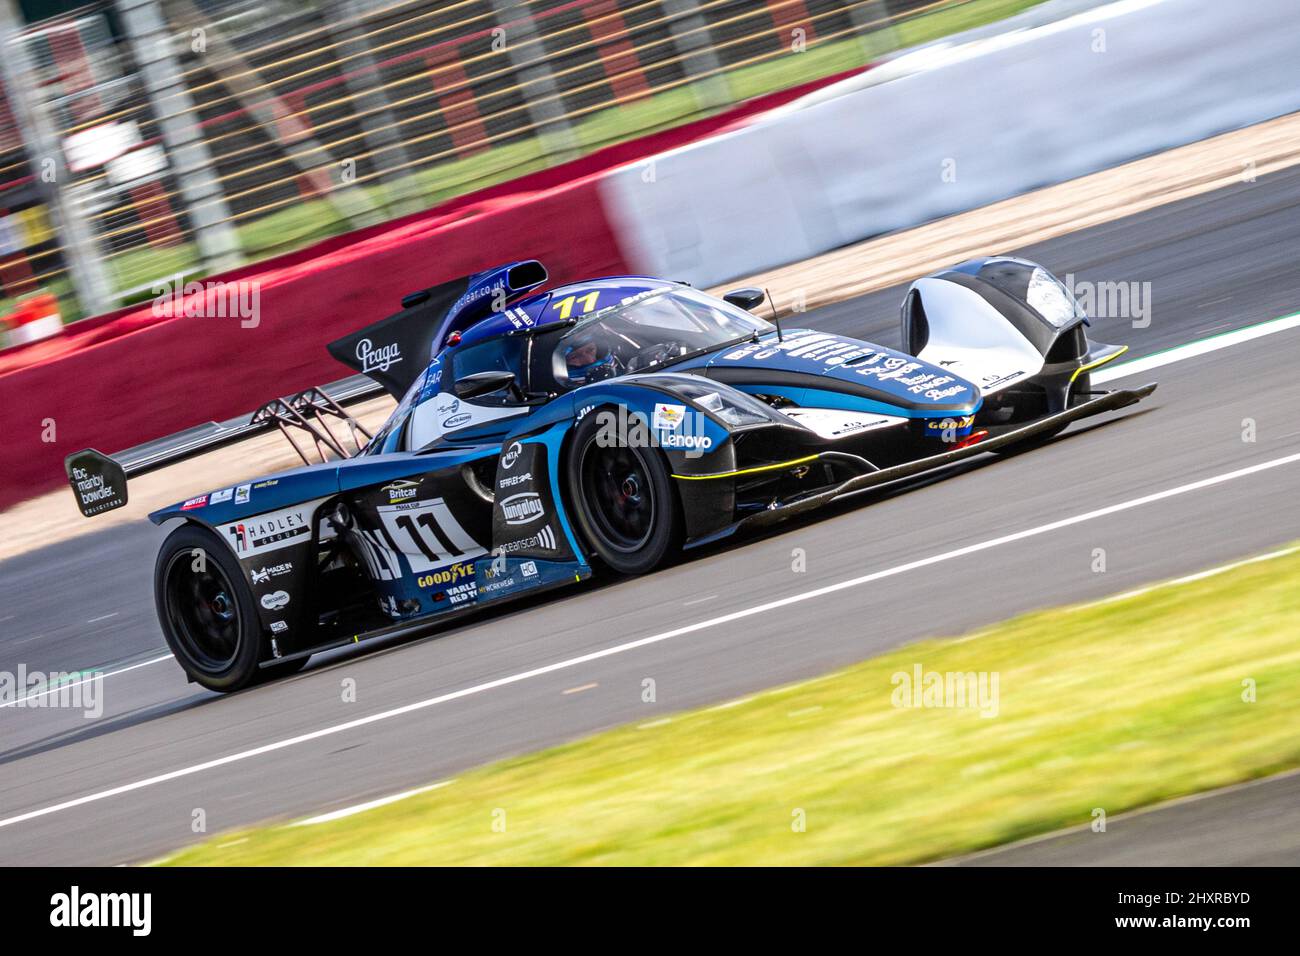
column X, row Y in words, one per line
column 610, row 423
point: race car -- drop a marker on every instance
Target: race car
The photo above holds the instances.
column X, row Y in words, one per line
column 601, row 424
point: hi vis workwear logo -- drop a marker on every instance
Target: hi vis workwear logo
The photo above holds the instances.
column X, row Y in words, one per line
column 132, row 910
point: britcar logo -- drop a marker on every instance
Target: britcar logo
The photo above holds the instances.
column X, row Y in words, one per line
column 275, row 600
column 522, row 508
column 377, row 359
column 402, row 490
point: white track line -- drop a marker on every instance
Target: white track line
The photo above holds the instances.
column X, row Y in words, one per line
column 1187, row 578
column 369, row 805
column 85, row 680
column 655, row 638
column 1194, row 349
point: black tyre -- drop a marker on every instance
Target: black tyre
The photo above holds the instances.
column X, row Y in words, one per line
column 207, row 611
column 622, row 499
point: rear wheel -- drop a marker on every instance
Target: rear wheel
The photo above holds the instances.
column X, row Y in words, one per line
column 206, row 610
column 623, row 499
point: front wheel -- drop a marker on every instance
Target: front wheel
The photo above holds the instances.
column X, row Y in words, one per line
column 623, row 499
column 206, row 610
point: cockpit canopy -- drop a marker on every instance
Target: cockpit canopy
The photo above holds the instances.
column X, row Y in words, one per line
column 646, row 331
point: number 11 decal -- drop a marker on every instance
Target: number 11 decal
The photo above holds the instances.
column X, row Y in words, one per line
column 429, row 535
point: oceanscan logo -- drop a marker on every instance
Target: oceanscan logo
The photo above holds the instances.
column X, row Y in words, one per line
column 377, row 359
column 522, row 508
column 275, row 600
column 75, row 909
column 511, row 455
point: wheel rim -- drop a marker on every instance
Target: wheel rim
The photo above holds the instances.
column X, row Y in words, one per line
column 203, row 611
column 617, row 488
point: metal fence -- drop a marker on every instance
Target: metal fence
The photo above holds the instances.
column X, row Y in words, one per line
column 141, row 139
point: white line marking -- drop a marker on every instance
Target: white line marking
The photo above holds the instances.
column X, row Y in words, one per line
column 698, row 600
column 654, row 723
column 1200, row 347
column 654, row 639
column 1187, row 578
column 579, row 689
column 87, row 680
column 96, row 620
column 370, row 805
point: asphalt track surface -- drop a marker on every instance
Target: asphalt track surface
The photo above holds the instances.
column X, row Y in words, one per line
column 494, row 685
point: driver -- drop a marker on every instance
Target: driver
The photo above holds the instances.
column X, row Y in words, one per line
column 588, row 362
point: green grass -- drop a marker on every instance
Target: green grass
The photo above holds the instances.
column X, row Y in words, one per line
column 1112, row 706
column 300, row 224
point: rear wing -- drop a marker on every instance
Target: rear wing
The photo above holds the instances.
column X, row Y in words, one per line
column 99, row 481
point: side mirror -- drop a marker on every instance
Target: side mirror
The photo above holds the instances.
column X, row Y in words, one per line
column 482, row 383
column 748, row 298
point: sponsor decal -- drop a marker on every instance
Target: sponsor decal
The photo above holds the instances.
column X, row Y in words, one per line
column 264, row 574
column 91, row 489
column 461, row 593
column 275, row 600
column 949, row 424
column 279, row 627
column 448, row 575
column 268, row 483
column 544, row 539
column 402, row 490
column 270, row 531
column 457, row 420
column 446, row 408
column 528, row 568
column 509, row 481
column 668, row 417
column 241, row 494
column 511, row 455
column 380, row 359
column 522, row 508
column 691, row 442
column 217, row 497
column 582, row 412
column 193, row 503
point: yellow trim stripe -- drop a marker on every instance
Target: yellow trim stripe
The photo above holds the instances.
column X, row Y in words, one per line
column 1101, row 361
column 750, row 471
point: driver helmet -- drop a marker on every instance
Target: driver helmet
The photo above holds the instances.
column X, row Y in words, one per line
column 589, row 361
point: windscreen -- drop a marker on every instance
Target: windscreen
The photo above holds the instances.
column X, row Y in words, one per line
column 648, row 331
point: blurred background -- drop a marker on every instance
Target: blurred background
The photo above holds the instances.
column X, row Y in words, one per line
column 142, row 140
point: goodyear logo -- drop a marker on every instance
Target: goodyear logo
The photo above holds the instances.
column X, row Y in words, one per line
column 448, row 575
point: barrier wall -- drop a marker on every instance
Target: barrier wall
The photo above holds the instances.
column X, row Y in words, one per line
column 121, row 379
column 976, row 125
